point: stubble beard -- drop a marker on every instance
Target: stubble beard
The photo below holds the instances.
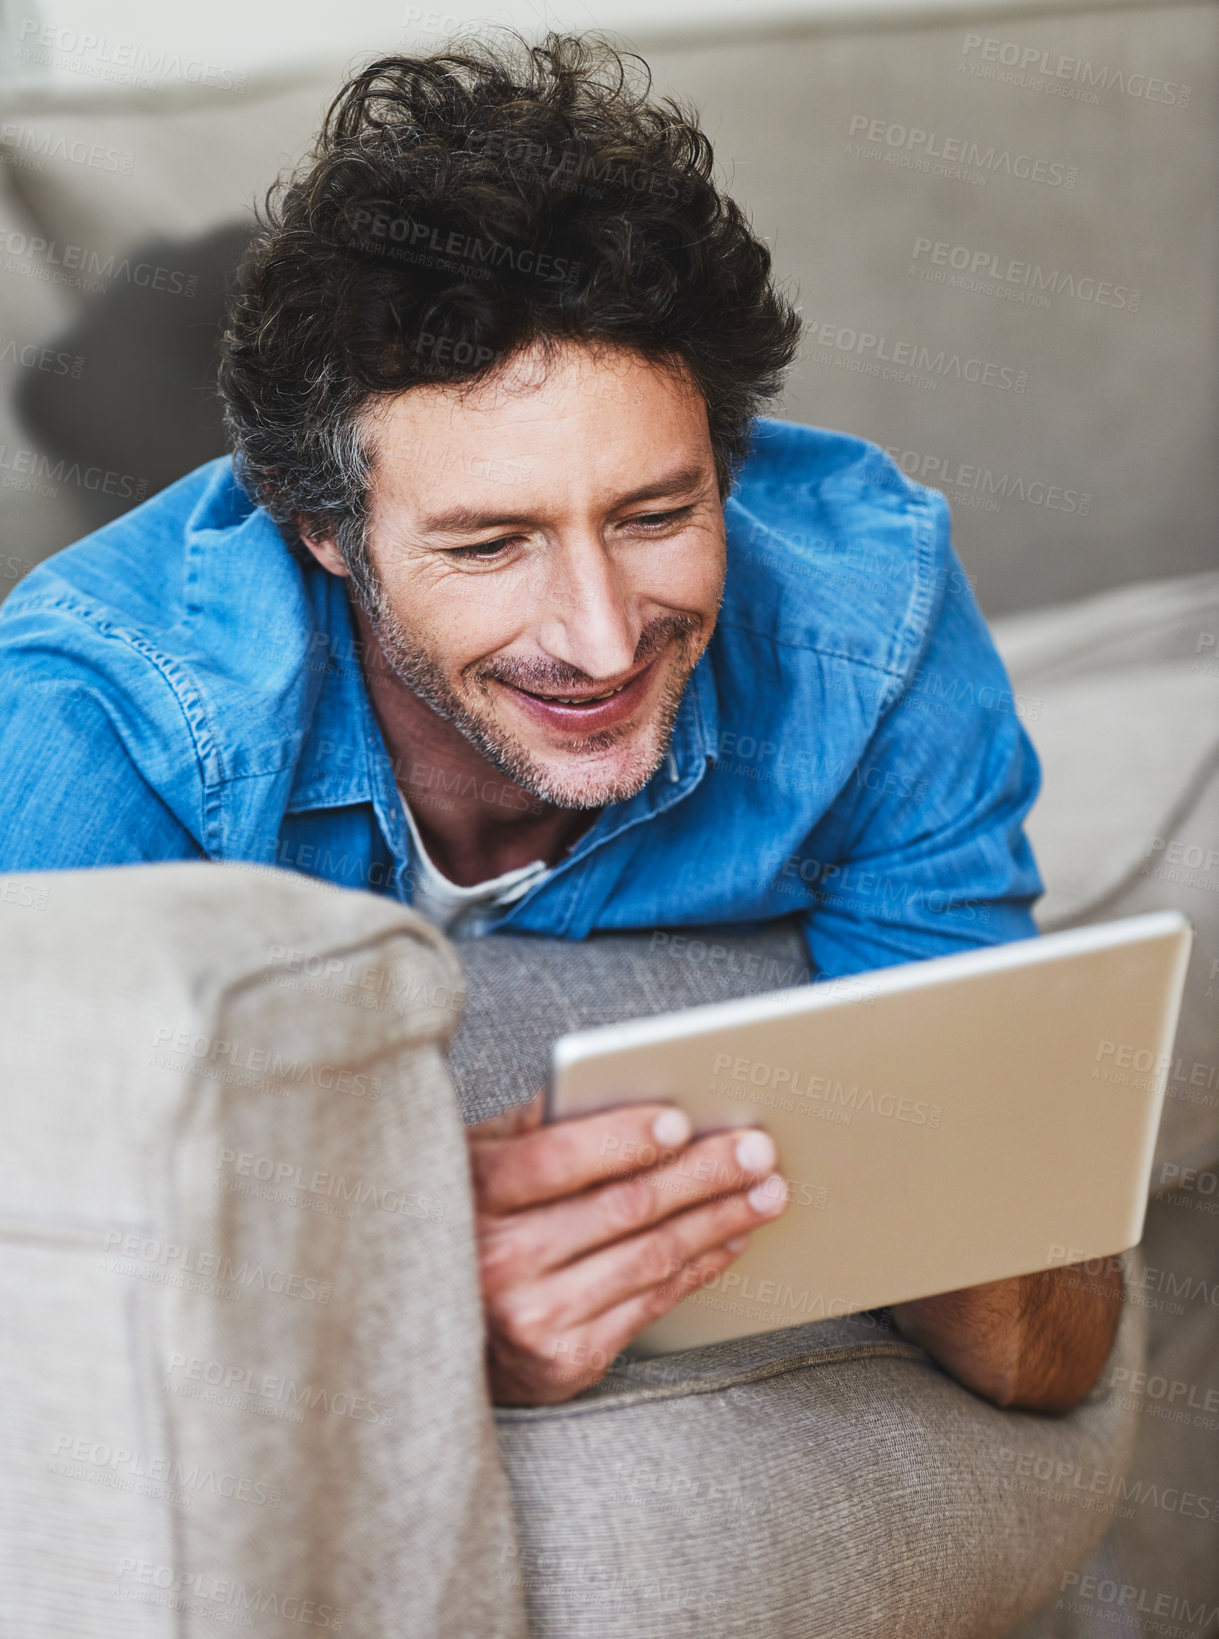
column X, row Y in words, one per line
column 420, row 672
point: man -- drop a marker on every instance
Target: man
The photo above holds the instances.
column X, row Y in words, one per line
column 514, row 607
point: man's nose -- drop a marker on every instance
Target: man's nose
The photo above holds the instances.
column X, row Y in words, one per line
column 587, row 615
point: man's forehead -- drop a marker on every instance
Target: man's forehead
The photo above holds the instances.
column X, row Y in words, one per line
column 532, row 385
column 599, row 427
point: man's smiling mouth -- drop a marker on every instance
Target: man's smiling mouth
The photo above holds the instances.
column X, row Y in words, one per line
column 577, row 700
column 605, row 708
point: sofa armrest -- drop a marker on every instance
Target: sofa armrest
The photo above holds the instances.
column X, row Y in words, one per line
column 244, row 1370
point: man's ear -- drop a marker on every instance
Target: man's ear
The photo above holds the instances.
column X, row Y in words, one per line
column 323, row 548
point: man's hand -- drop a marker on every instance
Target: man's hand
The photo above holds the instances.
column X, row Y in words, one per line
column 1036, row 1342
column 589, row 1229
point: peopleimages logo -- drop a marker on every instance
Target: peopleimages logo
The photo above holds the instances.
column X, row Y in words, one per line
column 205, row 1593
column 31, row 148
column 69, row 264
column 801, row 1083
column 31, row 356
column 1032, row 64
column 126, row 1469
column 266, row 1387
column 470, row 249
column 1124, row 1597
column 959, row 155
column 939, row 363
column 941, row 472
column 197, row 1269
column 993, row 273
column 291, row 1176
column 39, row 474
column 127, row 62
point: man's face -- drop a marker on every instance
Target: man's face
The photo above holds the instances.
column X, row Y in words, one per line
column 538, row 542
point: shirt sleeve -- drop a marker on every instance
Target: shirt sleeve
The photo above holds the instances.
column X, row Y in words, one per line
column 924, row 851
column 71, row 795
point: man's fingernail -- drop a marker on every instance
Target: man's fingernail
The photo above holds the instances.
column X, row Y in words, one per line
column 755, row 1152
column 671, row 1127
column 770, row 1196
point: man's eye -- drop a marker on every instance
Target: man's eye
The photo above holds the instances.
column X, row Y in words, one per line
column 485, row 551
column 488, row 551
column 657, row 520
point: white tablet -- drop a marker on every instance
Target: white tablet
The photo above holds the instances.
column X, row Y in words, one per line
column 940, row 1124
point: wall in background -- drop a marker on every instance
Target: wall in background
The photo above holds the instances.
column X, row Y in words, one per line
column 135, row 44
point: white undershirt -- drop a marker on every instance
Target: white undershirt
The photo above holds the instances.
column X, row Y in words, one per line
column 465, row 910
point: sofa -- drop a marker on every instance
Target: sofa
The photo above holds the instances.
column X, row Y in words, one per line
column 234, row 1406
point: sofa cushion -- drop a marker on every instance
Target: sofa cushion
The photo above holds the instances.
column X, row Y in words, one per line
column 524, row 991
column 170, row 164
column 1120, row 693
column 822, row 1481
column 1121, row 696
column 1156, row 1568
column 37, row 509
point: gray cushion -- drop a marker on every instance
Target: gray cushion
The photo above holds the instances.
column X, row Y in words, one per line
column 525, row 991
column 811, row 1484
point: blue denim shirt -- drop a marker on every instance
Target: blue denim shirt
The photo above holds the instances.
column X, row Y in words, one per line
column 178, row 686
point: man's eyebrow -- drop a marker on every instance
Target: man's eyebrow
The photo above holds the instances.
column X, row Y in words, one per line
column 461, row 519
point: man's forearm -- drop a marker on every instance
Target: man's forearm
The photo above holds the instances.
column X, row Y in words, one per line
column 1037, row 1342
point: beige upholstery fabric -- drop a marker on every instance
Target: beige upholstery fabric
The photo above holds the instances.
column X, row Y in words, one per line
column 1155, row 1574
column 1120, row 693
column 243, row 1379
column 810, row 1484
column 1121, row 696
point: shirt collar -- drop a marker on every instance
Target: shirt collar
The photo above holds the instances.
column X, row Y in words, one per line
column 335, row 765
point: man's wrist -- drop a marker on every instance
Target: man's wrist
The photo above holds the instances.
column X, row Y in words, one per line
column 1037, row 1342
column 973, row 1333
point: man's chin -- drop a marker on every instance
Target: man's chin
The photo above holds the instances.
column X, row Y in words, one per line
column 585, row 780
column 606, row 767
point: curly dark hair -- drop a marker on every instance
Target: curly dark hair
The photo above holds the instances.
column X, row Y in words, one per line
column 459, row 207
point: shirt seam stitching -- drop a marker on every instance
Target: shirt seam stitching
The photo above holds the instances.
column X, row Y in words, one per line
column 174, row 678
column 887, row 670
